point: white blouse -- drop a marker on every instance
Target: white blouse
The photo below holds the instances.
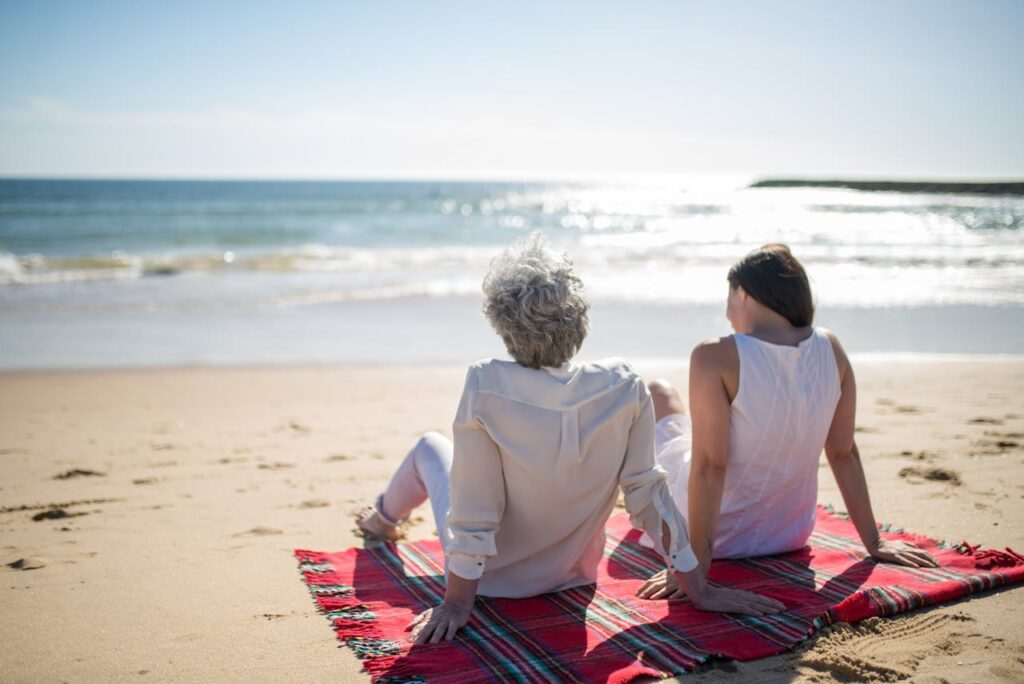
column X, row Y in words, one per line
column 539, row 458
column 778, row 424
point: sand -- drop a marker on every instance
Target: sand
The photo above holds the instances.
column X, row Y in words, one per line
column 169, row 503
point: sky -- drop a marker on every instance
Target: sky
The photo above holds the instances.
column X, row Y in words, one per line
column 887, row 89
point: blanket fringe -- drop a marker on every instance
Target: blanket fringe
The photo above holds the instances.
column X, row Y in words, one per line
column 986, row 559
column 354, row 623
column 994, row 558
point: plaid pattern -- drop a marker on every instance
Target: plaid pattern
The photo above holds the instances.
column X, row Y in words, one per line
column 605, row 633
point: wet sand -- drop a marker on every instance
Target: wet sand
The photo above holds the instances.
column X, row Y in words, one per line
column 169, row 502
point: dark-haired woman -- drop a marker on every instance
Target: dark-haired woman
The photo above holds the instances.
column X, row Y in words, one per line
column 764, row 403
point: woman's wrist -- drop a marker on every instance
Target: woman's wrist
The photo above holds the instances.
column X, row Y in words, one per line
column 457, row 606
column 693, row 583
column 460, row 592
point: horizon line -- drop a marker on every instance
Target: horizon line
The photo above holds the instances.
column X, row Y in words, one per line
column 750, row 178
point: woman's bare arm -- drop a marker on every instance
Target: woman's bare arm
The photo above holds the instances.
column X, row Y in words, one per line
column 844, row 459
column 710, row 413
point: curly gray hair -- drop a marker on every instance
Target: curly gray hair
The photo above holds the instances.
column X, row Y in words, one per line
column 535, row 303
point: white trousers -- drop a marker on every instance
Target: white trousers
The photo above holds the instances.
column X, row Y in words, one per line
column 422, row 475
column 673, row 446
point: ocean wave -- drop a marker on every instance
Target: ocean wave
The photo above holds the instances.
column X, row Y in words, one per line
column 594, row 253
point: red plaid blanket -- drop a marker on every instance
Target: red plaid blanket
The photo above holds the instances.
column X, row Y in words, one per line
column 605, row 633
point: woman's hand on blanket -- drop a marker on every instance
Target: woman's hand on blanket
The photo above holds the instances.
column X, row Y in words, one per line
column 441, row 623
column 712, row 599
column 661, row 585
column 903, row 553
column 722, row 600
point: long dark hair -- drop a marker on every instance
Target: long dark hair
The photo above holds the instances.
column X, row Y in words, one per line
column 773, row 277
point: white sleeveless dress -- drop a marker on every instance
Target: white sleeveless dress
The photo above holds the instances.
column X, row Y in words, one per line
column 779, row 420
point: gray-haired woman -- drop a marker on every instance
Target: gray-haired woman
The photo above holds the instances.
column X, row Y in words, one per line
column 541, row 447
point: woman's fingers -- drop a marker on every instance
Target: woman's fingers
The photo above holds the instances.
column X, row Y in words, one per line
column 418, row 619
column 440, row 629
column 764, row 606
column 656, row 587
column 745, row 609
column 426, row 632
column 423, row 631
column 908, row 554
column 927, row 561
column 922, row 559
column 912, row 557
column 442, row 626
column 770, row 604
column 452, row 631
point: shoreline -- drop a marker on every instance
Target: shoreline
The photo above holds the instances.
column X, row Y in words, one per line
column 680, row 363
column 451, row 331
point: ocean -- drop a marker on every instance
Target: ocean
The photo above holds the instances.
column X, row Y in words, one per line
column 152, row 273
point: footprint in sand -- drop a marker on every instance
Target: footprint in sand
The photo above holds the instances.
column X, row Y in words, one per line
column 984, row 420
column 32, row 563
column 338, row 457
column 145, row 481
column 55, row 514
column 897, row 408
column 259, row 532
column 78, row 472
column 1007, row 435
column 1001, row 444
column 53, row 506
column 878, row 649
column 313, row 503
column 916, row 475
column 275, row 466
column 919, row 456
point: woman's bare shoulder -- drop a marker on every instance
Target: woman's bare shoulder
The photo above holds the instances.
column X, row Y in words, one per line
column 842, row 361
column 715, row 354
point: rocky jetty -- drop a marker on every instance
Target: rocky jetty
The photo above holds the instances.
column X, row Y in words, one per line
column 933, row 187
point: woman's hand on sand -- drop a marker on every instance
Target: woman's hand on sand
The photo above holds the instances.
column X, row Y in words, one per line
column 435, row 624
column 660, row 586
column 903, row 553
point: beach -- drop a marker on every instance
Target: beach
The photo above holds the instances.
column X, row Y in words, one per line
column 199, row 377
column 184, row 492
column 243, row 270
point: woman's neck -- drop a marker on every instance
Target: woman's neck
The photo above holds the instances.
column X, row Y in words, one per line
column 777, row 330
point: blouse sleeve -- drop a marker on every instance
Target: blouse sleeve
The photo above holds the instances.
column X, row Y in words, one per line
column 477, row 490
column 647, row 497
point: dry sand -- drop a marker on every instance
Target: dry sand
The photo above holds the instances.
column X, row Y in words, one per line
column 186, row 491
